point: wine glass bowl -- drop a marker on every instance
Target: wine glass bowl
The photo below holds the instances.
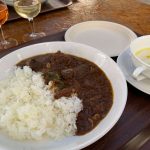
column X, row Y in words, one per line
column 3, row 13
column 29, row 9
column 5, row 43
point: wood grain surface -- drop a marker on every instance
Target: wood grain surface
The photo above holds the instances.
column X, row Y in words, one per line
column 131, row 13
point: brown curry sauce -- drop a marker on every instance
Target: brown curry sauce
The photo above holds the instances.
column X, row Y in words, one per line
column 72, row 74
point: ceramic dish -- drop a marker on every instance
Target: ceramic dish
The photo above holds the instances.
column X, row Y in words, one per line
column 110, row 68
column 108, row 37
column 126, row 64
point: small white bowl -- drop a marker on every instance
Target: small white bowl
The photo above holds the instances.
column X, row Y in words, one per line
column 142, row 70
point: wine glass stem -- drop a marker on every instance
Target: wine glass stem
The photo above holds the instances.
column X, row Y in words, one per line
column 32, row 26
column 2, row 33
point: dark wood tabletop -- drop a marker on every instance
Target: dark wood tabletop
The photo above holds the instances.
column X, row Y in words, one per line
column 132, row 131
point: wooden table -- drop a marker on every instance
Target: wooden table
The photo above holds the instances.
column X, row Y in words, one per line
column 131, row 13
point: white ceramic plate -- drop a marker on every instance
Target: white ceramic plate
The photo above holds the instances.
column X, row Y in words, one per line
column 125, row 63
column 111, row 38
column 111, row 69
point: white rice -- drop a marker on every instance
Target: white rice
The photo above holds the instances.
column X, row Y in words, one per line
column 28, row 110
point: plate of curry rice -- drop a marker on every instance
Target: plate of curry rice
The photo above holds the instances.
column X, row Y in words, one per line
column 57, row 93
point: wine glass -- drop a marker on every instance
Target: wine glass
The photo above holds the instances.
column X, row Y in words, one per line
column 10, row 42
column 29, row 9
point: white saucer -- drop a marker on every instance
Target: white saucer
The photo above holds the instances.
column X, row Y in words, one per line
column 125, row 63
column 111, row 38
